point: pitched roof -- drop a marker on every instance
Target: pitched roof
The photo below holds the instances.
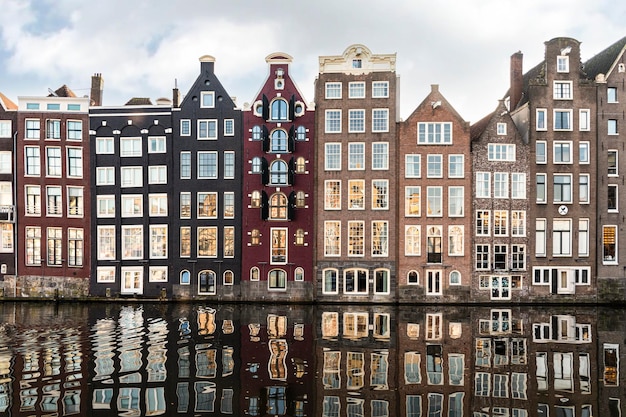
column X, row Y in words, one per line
column 477, row 129
column 6, row 103
column 63, row 91
column 531, row 74
column 139, row 101
column 602, row 62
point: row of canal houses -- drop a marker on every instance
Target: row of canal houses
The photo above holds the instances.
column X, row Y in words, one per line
column 333, row 200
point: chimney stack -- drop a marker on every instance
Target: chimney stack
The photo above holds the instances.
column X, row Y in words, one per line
column 517, row 80
column 97, row 86
column 175, row 95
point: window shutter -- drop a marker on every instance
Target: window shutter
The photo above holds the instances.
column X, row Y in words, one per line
column 266, row 108
column 291, row 143
column 266, row 139
column 291, row 207
column 290, row 172
column 265, row 172
column 264, row 206
column 292, row 106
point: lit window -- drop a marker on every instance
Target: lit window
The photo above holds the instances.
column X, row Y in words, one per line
column 412, row 238
column 185, row 241
column 158, row 241
column 380, row 195
column 412, row 203
column 75, row 202
column 332, row 195
column 207, row 242
column 609, row 244
column 278, row 206
column 356, row 194
column 482, row 222
column 332, row 238
column 132, row 242
column 278, row 245
column 106, row 242
column 380, row 238
column 356, row 238
column 207, row 205
column 33, row 200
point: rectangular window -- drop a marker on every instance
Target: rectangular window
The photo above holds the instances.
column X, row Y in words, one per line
column 229, row 165
column 562, row 90
column 132, row 205
column 105, row 146
column 541, row 122
column 434, row 166
column 500, row 255
column 185, row 127
column 33, row 127
column 130, row 147
column 500, row 185
column 455, row 202
column 380, row 155
column 6, row 162
column 54, row 201
column 75, row 202
column 356, row 121
column 611, row 193
column 433, row 287
column 132, row 242
column 562, row 63
column 562, row 237
column 207, row 129
column 74, row 130
column 105, row 176
column 185, row 241
column 33, row 245
column 540, row 152
column 207, row 165
column 482, row 257
column 583, row 188
column 412, row 166
column 229, row 205
column 156, row 144
column 332, row 238
column 380, row 89
column 501, row 128
column 132, row 176
column 456, row 166
column 53, row 129
column 332, row 195
column 518, row 185
column 609, row 245
column 279, row 246
column 333, row 90
column 5, row 129
column 185, row 165
column 483, row 223
column 562, row 188
column 584, row 120
column 158, row 274
column 32, row 161
column 612, row 163
column 333, row 121
column 612, row 127
column 356, row 238
column 562, row 152
column 229, row 241
column 380, row 120
column 185, row 205
column 501, row 152
column 583, row 152
column 356, row 89
column 380, row 238
column 332, row 157
column 518, row 257
column 75, row 162
column 500, row 223
column 434, row 201
column 380, row 194
column 157, row 204
column 518, row 223
column 611, row 95
column 412, row 201
column 562, row 119
column 356, row 194
column 540, row 186
column 229, row 127
column 456, row 243
column 540, row 237
column 583, row 237
column 106, row 243
column 158, row 241
column 356, row 156
column 483, row 184
column 105, row 274
column 33, row 200
column 207, row 242
column 207, row 99
column 434, row 133
column 207, row 205
column 105, row 206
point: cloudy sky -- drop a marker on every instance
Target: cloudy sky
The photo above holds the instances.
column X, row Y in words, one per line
column 142, row 46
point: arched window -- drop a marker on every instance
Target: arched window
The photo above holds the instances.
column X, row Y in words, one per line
column 412, row 278
column 279, row 109
column 257, row 133
column 301, row 133
column 256, row 165
column 455, row 278
column 254, row 273
column 278, row 141
column 278, row 206
column 277, row 279
column 229, row 278
column 206, row 282
column 255, row 237
column 300, row 165
column 300, row 199
column 298, row 274
column 300, row 237
column 255, row 199
column 185, row 277
column 278, row 172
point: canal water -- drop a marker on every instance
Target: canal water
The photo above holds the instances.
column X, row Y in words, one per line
column 172, row 359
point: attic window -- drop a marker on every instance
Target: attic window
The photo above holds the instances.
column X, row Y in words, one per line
column 501, row 128
column 357, row 63
column 208, row 99
column 621, row 68
column 562, row 64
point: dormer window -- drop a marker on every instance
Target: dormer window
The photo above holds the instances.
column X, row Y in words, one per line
column 279, row 109
column 357, row 63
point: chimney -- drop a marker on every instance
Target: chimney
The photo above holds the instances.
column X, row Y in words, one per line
column 517, row 80
column 97, row 85
column 175, row 95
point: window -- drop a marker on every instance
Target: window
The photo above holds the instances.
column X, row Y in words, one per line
column 412, row 166
column 333, row 121
column 482, row 257
column 380, row 120
column 74, row 130
column 75, row 162
column 562, row 90
column 456, row 166
column 380, row 89
column 105, row 146
column 357, row 63
column 300, row 237
column 540, row 186
column 380, row 156
column 5, row 129
column 229, row 165
column 301, row 132
column 500, row 223
column 33, row 200
column 185, row 242
column 434, row 133
column 278, row 172
column 540, row 237
column 518, row 223
column 562, row 152
column 278, row 109
column 583, row 152
column 380, row 238
column 207, row 99
column 332, row 238
column 300, row 199
column 105, row 206
column 157, row 204
column 332, row 157
column 518, row 185
column 433, row 287
column 132, row 242
column 279, row 245
column 541, row 122
column 434, row 166
column 413, row 279
column 412, row 238
column 434, row 244
column 501, row 152
column 612, row 127
column 583, row 237
column 330, row 281
column 185, row 205
column 278, row 141
column 583, row 188
column 255, row 273
column 380, row 194
column 412, row 203
column 562, row 63
column 106, row 243
column 229, row 127
column 456, row 244
column 612, row 163
column 53, row 162
column 562, row 119
column 356, row 156
column 500, row 185
column 355, row 281
column 562, row 188
column 229, row 205
column 255, row 199
column 501, row 128
column 33, row 245
column 609, row 245
column 257, row 165
column 132, row 176
column 207, row 165
column 455, row 202
column 55, row 246
column 158, row 274
column 500, row 257
column 53, row 129
column 158, row 241
column 584, row 119
column 483, row 184
column 185, row 127
column 54, row 205
column 278, row 206
column 130, row 147
column 356, row 238
column 434, row 201
column 32, row 161
column 561, row 237
column 612, row 198
column 207, row 242
column 482, row 223
column 75, row 202
column 207, row 282
column 518, row 258
column 333, row 90
column 207, row 129
column 356, row 89
column 540, row 152
column 207, row 205
column 105, row 274
column 156, row 144
column 185, row 165
column 332, row 195
column 32, row 128
column 105, row 176
column 301, row 165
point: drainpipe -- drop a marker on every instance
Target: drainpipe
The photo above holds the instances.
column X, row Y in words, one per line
column 15, row 251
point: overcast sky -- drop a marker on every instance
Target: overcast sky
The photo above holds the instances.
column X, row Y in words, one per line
column 142, row 46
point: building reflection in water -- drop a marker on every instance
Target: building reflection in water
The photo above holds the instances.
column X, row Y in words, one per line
column 330, row 361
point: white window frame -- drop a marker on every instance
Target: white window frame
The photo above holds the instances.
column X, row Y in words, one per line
column 563, row 144
column 132, row 201
column 454, row 165
column 434, row 133
column 157, row 205
column 157, row 174
column 356, row 89
column 332, row 124
column 105, row 206
column 483, row 184
column 157, row 144
column 105, row 175
column 137, row 176
column 501, row 152
column 105, row 146
column 207, row 99
column 380, row 156
column 356, row 160
column 105, row 274
column 436, row 161
column 584, row 197
column 331, row 87
column 460, row 201
column 377, row 86
column 356, row 120
column 130, row 147
column 569, row 128
column 431, row 195
column 584, row 149
column 518, row 185
column 616, row 166
column 185, row 127
column 329, row 163
column 561, row 92
column 541, row 120
column 584, row 120
column 208, row 135
column 229, row 127
column 380, row 120
column 541, row 152
column 415, row 161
